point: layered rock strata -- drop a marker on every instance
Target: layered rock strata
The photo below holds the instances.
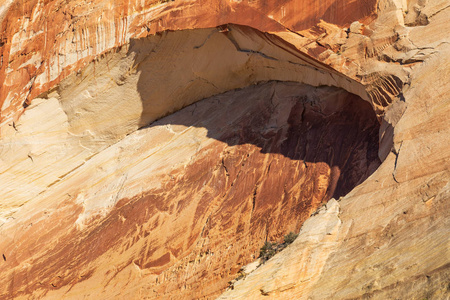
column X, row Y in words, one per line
column 99, row 201
column 42, row 42
column 183, row 203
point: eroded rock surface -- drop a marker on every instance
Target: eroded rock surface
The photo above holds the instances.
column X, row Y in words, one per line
column 100, row 201
column 391, row 238
column 127, row 89
column 188, row 200
column 42, row 42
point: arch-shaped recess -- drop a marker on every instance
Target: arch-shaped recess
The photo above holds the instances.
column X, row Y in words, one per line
column 134, row 85
column 160, row 74
column 199, row 190
column 196, row 191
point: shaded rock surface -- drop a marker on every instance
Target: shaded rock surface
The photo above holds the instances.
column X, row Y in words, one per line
column 38, row 51
column 389, row 237
column 100, row 201
column 188, row 200
column 127, row 89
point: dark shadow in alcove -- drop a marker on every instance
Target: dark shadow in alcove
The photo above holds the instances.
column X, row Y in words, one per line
column 343, row 134
column 323, row 124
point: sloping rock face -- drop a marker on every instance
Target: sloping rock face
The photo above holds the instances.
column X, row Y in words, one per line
column 187, row 201
column 388, row 238
column 107, row 194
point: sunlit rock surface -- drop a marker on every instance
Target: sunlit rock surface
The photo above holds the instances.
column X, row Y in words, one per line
column 188, row 199
column 45, row 41
column 149, row 149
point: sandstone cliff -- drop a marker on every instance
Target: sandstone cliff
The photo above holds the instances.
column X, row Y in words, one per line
column 149, row 149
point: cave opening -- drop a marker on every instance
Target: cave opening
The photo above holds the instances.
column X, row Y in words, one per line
column 266, row 154
column 324, row 126
column 277, row 152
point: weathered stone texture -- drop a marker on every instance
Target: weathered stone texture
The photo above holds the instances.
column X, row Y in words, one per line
column 147, row 149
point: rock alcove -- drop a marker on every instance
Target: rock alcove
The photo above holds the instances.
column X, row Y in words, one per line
column 276, row 135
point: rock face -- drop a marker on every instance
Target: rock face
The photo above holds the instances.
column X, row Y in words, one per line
column 120, row 93
column 389, row 237
column 190, row 198
column 143, row 163
column 38, row 51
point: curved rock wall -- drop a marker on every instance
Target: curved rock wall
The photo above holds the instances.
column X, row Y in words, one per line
column 130, row 88
column 37, row 51
column 188, row 200
column 388, row 238
column 99, row 201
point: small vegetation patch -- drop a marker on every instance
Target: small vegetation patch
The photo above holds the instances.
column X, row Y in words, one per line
column 290, row 237
column 269, row 249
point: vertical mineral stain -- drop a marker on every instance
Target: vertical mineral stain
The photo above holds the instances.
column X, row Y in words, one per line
column 149, row 149
column 266, row 158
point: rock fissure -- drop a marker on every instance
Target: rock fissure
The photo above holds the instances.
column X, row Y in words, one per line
column 397, row 154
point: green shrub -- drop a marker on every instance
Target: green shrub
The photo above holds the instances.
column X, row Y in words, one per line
column 290, row 237
column 269, row 249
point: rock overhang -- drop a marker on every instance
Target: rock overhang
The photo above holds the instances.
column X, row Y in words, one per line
column 384, row 80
